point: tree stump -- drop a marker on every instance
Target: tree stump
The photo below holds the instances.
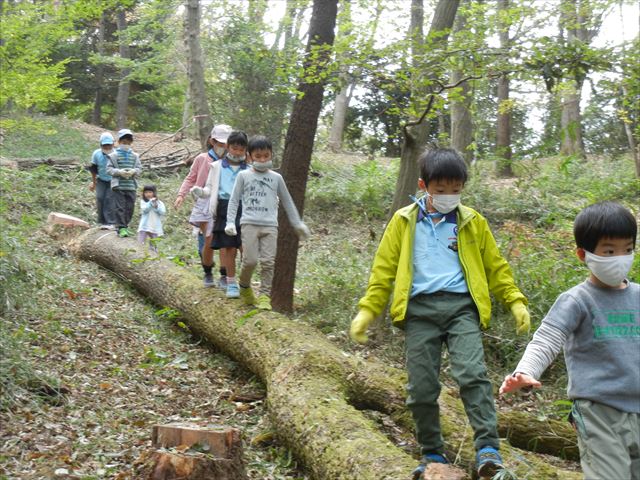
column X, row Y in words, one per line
column 193, row 452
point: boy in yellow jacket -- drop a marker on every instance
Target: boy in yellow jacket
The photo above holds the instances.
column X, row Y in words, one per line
column 440, row 261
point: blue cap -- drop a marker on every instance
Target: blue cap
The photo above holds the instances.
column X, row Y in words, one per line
column 106, row 139
column 123, row 132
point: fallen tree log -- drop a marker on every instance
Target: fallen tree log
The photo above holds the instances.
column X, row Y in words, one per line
column 314, row 390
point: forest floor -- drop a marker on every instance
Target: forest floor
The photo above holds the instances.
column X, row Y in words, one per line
column 89, row 366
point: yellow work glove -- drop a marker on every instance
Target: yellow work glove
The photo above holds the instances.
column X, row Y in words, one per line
column 521, row 315
column 358, row 331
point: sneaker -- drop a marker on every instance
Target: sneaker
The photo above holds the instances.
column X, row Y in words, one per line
column 107, row 227
column 428, row 458
column 222, row 283
column 247, row 296
column 489, row 462
column 233, row 291
column 208, row 280
column 123, row 232
column 264, row 302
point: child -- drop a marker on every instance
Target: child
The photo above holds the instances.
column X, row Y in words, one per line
column 200, row 216
column 440, row 260
column 598, row 324
column 152, row 212
column 101, row 181
column 260, row 188
column 222, row 176
column 123, row 166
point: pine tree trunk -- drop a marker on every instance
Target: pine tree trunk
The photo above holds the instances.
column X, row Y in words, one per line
column 315, row 392
column 195, row 71
column 298, row 147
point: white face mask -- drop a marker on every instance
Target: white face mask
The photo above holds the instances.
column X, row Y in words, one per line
column 235, row 158
column 219, row 150
column 445, row 203
column 263, row 166
column 609, row 270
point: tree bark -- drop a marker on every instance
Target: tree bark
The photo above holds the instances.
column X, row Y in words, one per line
column 122, row 99
column 195, row 71
column 315, row 392
column 503, row 122
column 96, row 115
column 461, row 122
column 415, row 138
column 298, row 146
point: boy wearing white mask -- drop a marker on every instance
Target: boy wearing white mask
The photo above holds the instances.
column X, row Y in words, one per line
column 440, row 261
column 259, row 190
column 598, row 324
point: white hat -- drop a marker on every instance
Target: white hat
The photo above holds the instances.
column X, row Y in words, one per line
column 220, row 133
column 123, row 132
column 106, row 139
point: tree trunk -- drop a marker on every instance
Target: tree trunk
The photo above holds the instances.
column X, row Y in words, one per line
column 340, row 108
column 195, row 71
column 415, row 138
column 298, row 146
column 631, row 139
column 503, row 128
column 315, row 392
column 96, row 115
column 503, row 121
column 122, row 99
column 571, row 142
column 461, row 122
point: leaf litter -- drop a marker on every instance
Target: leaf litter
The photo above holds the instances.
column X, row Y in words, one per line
column 120, row 366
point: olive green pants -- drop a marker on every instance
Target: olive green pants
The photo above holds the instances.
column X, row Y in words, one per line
column 450, row 319
column 609, row 441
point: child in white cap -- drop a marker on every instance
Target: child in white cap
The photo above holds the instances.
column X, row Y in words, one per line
column 200, row 216
column 101, row 180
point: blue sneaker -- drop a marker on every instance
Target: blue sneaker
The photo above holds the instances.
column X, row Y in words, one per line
column 489, row 462
column 428, row 458
column 233, row 291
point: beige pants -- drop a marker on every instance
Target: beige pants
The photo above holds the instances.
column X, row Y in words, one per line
column 609, row 441
column 259, row 244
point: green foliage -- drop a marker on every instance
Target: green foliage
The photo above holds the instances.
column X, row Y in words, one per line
column 360, row 190
column 42, row 137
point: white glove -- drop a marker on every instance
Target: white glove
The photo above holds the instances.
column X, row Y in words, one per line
column 197, row 191
column 230, row 230
column 302, row 231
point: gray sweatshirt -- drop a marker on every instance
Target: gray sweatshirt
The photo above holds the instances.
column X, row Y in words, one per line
column 259, row 192
column 599, row 329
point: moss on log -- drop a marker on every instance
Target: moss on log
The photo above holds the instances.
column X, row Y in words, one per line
column 314, row 390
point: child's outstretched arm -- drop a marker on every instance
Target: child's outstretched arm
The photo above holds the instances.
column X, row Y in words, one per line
column 540, row 353
column 298, row 225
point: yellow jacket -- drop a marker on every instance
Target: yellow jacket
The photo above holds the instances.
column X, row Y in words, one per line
column 484, row 268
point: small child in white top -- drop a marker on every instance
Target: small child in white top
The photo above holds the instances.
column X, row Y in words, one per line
column 260, row 190
column 152, row 213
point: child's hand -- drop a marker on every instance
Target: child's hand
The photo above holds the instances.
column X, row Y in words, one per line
column 92, row 187
column 302, row 231
column 522, row 317
column 230, row 230
column 358, row 331
column 517, row 381
column 197, row 191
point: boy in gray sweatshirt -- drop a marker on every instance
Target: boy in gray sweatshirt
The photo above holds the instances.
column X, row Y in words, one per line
column 598, row 324
column 260, row 189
